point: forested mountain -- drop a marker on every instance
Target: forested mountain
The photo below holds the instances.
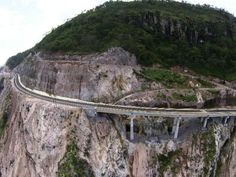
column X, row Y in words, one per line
column 164, row 32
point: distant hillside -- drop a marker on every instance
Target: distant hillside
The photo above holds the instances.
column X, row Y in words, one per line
column 165, row 32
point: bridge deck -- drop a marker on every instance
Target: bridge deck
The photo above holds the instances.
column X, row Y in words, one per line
column 123, row 109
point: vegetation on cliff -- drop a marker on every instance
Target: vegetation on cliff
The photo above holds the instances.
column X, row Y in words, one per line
column 73, row 165
column 15, row 60
column 169, row 161
column 165, row 32
column 166, row 77
column 4, row 113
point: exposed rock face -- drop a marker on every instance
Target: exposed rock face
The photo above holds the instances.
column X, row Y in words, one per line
column 99, row 77
column 42, row 139
column 36, row 138
column 191, row 31
column 37, row 135
column 226, row 162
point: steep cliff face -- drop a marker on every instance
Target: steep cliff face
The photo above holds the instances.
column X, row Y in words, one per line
column 226, row 162
column 45, row 139
column 114, row 76
column 98, row 77
column 39, row 134
column 192, row 31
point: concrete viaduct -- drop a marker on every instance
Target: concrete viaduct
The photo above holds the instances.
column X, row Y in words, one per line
column 132, row 111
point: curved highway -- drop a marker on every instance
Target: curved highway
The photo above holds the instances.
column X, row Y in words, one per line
column 123, row 109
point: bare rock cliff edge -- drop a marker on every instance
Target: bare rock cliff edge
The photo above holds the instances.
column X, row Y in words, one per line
column 42, row 139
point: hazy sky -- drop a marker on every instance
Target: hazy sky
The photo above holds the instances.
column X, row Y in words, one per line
column 25, row 22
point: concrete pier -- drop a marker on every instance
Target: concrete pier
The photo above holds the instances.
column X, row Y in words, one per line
column 174, row 125
column 176, row 133
column 225, row 120
column 205, row 122
column 132, row 128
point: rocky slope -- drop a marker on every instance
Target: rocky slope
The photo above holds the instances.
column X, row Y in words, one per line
column 114, row 76
column 45, row 139
column 98, row 77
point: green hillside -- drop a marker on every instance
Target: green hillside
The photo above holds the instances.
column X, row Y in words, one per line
column 165, row 32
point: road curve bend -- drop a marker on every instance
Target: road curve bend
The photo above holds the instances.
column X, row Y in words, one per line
column 123, row 109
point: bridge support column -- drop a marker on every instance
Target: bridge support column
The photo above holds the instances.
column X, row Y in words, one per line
column 174, row 125
column 202, row 119
column 132, row 128
column 94, row 112
column 176, row 132
column 205, row 122
column 91, row 112
column 226, row 120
